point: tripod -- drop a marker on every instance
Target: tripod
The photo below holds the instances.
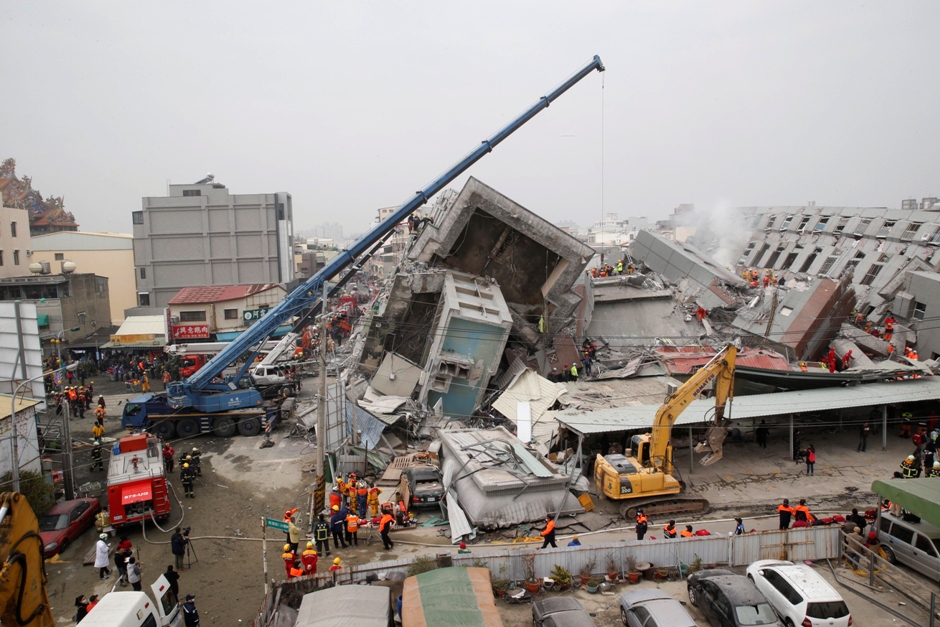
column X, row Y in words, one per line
column 191, row 556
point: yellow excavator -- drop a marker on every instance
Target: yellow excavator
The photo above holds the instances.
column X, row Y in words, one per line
column 643, row 477
column 23, row 597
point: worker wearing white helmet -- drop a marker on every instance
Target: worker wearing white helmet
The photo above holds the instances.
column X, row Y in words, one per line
column 909, row 469
column 934, row 471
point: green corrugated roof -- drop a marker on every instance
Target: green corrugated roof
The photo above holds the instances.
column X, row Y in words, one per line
column 918, row 496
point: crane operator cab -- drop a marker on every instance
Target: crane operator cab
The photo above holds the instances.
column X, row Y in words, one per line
column 635, row 473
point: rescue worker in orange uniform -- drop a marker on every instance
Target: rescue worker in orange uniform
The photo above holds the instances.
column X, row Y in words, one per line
column 669, row 531
column 803, row 508
column 548, row 533
column 352, row 529
column 687, row 532
column 289, row 559
column 309, row 559
column 362, row 494
column 642, row 524
column 336, row 497
column 785, row 512
column 385, row 525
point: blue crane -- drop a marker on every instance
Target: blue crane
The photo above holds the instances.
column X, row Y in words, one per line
column 199, row 391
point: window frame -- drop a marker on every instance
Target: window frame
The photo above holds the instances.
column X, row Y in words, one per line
column 919, row 308
column 13, row 228
column 137, row 217
column 16, row 257
column 233, row 312
column 198, row 315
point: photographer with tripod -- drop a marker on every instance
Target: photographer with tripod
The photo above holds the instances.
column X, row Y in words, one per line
column 180, row 546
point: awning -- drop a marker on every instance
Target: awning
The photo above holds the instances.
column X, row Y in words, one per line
column 140, row 332
column 921, row 496
column 136, row 492
column 42, row 320
column 156, row 343
column 450, row 597
column 754, row 406
column 228, row 336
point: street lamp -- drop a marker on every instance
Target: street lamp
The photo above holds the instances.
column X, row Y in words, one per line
column 15, row 437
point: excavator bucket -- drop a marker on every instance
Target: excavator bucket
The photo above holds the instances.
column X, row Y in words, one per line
column 23, row 596
column 712, row 445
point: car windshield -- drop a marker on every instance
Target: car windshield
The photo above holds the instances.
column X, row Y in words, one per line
column 53, row 522
column 761, row 614
column 828, row 609
column 936, row 543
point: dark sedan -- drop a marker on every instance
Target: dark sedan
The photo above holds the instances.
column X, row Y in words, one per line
column 424, row 484
column 560, row 612
column 65, row 522
column 730, row 600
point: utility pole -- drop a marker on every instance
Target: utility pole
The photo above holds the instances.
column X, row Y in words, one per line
column 319, row 495
column 67, row 453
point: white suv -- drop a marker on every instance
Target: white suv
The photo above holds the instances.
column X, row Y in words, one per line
column 799, row 594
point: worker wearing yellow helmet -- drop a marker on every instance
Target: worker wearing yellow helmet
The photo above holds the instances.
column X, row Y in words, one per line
column 288, row 557
column 309, row 559
column 336, row 565
column 188, row 478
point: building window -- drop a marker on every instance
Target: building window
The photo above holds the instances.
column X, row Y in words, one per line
column 786, row 223
column 862, row 226
column 822, row 223
column 920, row 310
column 280, row 211
column 137, row 217
column 873, row 271
column 827, row 265
column 60, row 256
column 81, row 317
column 841, row 225
column 231, row 314
column 192, row 192
column 885, row 229
column 911, row 231
column 770, row 222
column 16, row 257
column 13, row 229
column 192, row 316
column 143, row 299
column 803, row 222
column 1, row 257
column 143, row 273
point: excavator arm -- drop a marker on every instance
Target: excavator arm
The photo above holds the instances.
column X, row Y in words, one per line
column 24, row 600
column 719, row 370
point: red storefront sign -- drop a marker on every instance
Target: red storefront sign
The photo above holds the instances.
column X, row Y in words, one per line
column 190, row 332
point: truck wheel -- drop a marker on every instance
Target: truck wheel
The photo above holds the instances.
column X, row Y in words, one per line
column 187, row 427
column 165, row 430
column 224, row 427
column 249, row 427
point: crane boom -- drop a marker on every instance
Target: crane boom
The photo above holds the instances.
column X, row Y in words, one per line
column 190, row 392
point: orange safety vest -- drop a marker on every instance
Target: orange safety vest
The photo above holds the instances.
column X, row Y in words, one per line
column 352, row 523
column 386, row 523
column 362, row 491
column 549, row 527
column 641, row 519
column 804, row 509
column 685, row 533
column 73, row 395
column 785, row 508
column 296, row 572
column 669, row 533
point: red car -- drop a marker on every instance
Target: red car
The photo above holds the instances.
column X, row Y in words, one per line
column 65, row 522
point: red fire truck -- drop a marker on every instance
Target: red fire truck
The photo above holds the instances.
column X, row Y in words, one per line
column 136, row 481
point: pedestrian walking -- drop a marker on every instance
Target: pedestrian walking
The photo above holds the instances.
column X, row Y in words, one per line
column 178, row 547
column 385, row 526
column 863, row 434
column 173, row 578
column 548, row 534
column 190, row 613
column 188, row 477
column 810, row 459
column 133, row 573
column 642, row 524
column 785, row 512
column 761, row 434
column 102, row 556
column 321, row 533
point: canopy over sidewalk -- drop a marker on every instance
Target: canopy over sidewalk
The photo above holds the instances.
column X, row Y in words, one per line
column 921, row 497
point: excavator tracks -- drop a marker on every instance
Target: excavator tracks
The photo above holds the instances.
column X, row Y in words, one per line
column 658, row 506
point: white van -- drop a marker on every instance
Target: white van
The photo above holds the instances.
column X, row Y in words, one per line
column 799, row 595
column 136, row 609
column 916, row 545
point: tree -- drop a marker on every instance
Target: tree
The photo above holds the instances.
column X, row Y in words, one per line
column 39, row 493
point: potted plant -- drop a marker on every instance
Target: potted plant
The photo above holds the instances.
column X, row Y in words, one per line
column 593, row 585
column 561, row 576
column 662, row 573
column 531, row 583
column 633, row 573
column 500, row 585
column 586, row 572
column 613, row 568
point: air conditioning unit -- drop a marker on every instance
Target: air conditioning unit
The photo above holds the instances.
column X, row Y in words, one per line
column 925, row 237
column 903, row 304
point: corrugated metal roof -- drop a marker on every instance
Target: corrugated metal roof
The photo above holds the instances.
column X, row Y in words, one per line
column 540, row 393
column 755, row 406
column 611, row 393
column 143, row 325
column 683, row 359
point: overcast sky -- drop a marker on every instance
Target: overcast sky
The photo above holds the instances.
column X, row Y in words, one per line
column 352, row 106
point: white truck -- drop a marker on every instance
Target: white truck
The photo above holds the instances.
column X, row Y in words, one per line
column 136, row 609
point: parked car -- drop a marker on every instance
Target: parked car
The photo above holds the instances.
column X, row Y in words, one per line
column 424, row 484
column 916, row 545
column 65, row 522
column 560, row 612
column 648, row 607
column 730, row 600
column 799, row 594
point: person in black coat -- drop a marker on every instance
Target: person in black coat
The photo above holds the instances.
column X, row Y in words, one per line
column 173, row 578
column 190, row 613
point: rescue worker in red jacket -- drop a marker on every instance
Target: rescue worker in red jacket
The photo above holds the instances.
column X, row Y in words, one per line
column 309, row 559
column 548, row 534
column 289, row 559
